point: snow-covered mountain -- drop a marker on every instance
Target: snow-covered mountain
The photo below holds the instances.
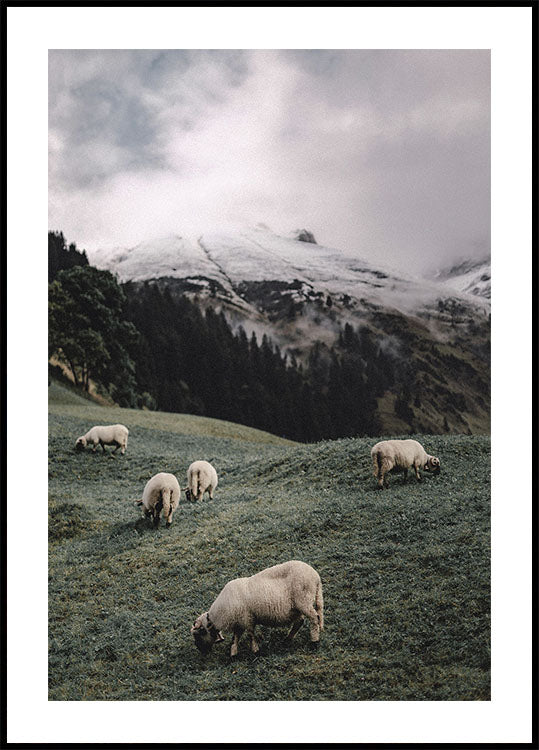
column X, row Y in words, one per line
column 231, row 262
column 468, row 276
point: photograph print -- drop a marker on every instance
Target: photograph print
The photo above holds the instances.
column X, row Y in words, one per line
column 269, row 375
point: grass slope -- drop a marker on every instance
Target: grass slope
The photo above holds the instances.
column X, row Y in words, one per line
column 406, row 572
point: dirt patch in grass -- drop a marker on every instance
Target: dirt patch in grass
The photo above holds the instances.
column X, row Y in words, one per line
column 65, row 521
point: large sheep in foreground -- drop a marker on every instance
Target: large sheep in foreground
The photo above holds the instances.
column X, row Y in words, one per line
column 281, row 595
column 401, row 455
column 161, row 493
column 201, row 478
column 113, row 434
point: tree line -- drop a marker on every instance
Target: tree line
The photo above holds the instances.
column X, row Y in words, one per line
column 62, row 255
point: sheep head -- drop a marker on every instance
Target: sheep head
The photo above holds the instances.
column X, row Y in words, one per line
column 433, row 464
column 80, row 444
column 205, row 633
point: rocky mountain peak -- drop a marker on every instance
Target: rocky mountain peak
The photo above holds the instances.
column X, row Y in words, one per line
column 303, row 235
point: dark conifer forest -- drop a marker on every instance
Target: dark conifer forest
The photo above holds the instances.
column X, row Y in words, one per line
column 144, row 347
column 191, row 361
column 63, row 256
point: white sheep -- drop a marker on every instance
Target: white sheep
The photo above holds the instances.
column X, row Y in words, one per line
column 201, row 478
column 281, row 595
column 113, row 434
column 401, row 455
column 161, row 493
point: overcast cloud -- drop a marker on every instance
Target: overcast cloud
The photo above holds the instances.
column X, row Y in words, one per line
column 384, row 154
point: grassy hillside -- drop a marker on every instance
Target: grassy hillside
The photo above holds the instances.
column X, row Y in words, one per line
column 406, row 572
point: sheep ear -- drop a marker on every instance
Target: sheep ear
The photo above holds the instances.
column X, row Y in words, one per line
column 219, row 637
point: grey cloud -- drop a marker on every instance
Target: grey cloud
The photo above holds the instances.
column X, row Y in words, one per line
column 381, row 152
column 107, row 105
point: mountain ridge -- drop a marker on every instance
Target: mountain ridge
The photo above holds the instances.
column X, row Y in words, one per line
column 258, row 254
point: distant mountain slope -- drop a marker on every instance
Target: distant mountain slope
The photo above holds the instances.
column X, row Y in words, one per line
column 468, row 276
column 227, row 262
column 302, row 295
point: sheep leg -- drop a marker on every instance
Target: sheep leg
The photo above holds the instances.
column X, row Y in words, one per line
column 103, row 446
column 385, row 468
column 251, row 633
column 312, row 614
column 378, row 473
column 296, row 625
column 404, row 476
column 117, row 446
column 417, row 474
column 238, row 632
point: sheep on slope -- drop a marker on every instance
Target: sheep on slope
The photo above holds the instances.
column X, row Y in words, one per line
column 401, row 455
column 114, row 434
column 281, row 595
column 161, row 493
column 201, row 478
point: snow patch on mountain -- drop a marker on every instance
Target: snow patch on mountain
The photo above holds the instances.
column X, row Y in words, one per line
column 257, row 254
column 468, row 277
column 173, row 256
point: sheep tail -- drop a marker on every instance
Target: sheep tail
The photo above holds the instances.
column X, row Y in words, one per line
column 319, row 604
column 166, row 496
column 376, row 464
column 195, row 482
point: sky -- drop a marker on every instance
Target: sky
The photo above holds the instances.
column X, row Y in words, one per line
column 384, row 154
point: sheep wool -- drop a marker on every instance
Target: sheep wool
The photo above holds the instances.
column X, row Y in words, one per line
column 281, row 595
column 161, row 493
column 401, row 455
column 201, row 478
column 114, row 434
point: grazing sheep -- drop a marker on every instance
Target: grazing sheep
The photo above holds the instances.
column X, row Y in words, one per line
column 113, row 434
column 161, row 493
column 201, row 478
column 281, row 595
column 401, row 455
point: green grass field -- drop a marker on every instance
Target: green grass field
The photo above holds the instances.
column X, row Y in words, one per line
column 405, row 571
